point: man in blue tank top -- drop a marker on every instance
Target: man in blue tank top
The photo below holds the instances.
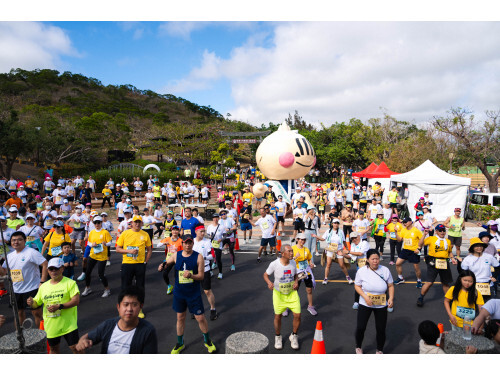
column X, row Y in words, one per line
column 189, row 272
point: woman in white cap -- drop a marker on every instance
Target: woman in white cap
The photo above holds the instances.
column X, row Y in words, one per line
column 312, row 224
column 65, row 210
column 33, row 233
column 99, row 240
column 335, row 244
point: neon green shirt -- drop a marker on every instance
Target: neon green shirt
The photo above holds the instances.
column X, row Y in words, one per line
column 60, row 322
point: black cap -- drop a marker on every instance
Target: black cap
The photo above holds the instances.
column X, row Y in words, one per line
column 406, row 220
column 187, row 237
column 215, row 215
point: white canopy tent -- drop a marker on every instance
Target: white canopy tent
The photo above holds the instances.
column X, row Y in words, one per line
column 446, row 191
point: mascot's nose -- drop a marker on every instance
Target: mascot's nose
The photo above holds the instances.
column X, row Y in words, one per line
column 286, row 159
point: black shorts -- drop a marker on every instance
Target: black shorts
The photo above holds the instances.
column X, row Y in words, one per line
column 71, row 339
column 455, row 241
column 394, row 205
column 299, row 225
column 281, row 218
column 410, row 256
column 432, row 273
column 207, row 281
column 21, row 299
column 171, row 200
column 265, row 241
column 163, row 198
column 308, row 281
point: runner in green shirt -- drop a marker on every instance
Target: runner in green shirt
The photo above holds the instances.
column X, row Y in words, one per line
column 59, row 297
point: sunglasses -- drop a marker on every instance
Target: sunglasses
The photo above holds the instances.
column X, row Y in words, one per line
column 440, row 230
column 53, row 269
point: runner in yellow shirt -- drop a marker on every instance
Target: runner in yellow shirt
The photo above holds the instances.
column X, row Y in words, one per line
column 53, row 241
column 410, row 237
column 133, row 244
column 302, row 257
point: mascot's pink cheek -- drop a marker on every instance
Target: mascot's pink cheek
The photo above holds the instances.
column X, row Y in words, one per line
column 286, row 159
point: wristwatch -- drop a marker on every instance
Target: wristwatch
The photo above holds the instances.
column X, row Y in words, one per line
column 61, row 306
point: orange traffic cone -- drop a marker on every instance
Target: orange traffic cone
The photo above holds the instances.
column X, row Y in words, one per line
column 348, row 242
column 278, row 242
column 42, row 328
column 318, row 343
column 236, row 241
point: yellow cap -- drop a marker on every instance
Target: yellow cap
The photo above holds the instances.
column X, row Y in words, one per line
column 137, row 218
column 476, row 241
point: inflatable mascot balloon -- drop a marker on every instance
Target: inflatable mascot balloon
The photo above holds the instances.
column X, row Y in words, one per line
column 284, row 156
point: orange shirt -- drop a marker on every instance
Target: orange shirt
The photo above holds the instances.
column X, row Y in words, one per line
column 171, row 246
column 67, row 229
column 17, row 201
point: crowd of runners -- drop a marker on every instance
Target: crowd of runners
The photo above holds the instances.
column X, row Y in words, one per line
column 41, row 226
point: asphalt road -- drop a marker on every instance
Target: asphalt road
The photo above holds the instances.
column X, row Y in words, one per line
column 245, row 303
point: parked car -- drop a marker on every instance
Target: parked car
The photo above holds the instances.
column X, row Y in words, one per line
column 486, row 199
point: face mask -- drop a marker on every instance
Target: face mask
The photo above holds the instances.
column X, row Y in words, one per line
column 47, row 207
column 494, row 228
column 78, row 212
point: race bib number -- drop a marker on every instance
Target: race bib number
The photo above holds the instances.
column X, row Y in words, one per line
column 98, row 248
column 54, row 314
column 184, row 280
column 465, row 312
column 380, row 227
column 17, row 276
column 30, row 238
column 58, row 199
column 392, row 235
column 484, row 288
column 106, row 193
column 133, row 248
column 77, row 225
column 56, row 250
column 167, row 234
column 49, row 222
column 300, row 216
column 303, row 265
column 65, row 213
column 361, row 229
column 187, row 231
column 321, row 207
column 442, row 264
column 361, row 262
column 286, row 288
column 265, row 225
column 378, row 299
column 246, row 216
column 280, row 210
column 215, row 244
column 147, row 227
column 333, row 247
column 407, row 242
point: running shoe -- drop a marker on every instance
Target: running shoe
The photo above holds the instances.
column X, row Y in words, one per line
column 211, row 273
column 108, row 263
column 219, row 276
column 359, row 351
column 81, row 277
column 86, row 292
column 141, row 315
column 278, row 342
column 294, row 340
column 381, row 257
column 349, row 279
column 265, row 253
column 233, row 268
column 420, row 301
column 285, row 313
column 355, row 306
column 170, row 288
column 325, row 282
column 258, row 260
column 379, row 352
column 211, row 347
column 106, row 293
column 245, row 241
column 419, row 285
column 213, row 314
column 177, row 349
column 391, row 263
column 312, row 310
column 249, row 240
column 214, row 265
column 399, row 280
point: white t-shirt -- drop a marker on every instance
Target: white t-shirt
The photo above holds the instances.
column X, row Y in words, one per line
column 7, row 233
column 232, row 214
column 79, row 221
column 281, row 208
column 138, row 185
column 111, row 184
column 218, row 232
column 204, row 247
column 200, row 219
column 361, row 247
column 149, row 197
column 284, row 275
column 35, row 231
column 300, row 212
column 147, row 221
column 331, row 198
column 59, row 195
column 493, row 307
column 78, row 181
column 204, row 192
column 120, row 207
column 480, row 266
column 48, row 185
column 123, row 226
column 91, row 183
column 21, row 194
column 24, row 265
column 387, row 213
column 108, row 225
column 120, row 341
column 226, row 225
column 373, row 282
column 266, row 226
column 361, row 225
column 373, row 210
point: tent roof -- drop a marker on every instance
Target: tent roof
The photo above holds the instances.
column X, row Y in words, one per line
column 382, row 171
column 429, row 173
column 368, row 169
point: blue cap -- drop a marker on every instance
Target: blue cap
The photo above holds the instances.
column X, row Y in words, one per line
column 440, row 227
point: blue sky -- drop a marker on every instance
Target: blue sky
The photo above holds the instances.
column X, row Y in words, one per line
column 262, row 71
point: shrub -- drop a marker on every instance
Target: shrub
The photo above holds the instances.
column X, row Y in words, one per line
column 197, row 182
column 484, row 213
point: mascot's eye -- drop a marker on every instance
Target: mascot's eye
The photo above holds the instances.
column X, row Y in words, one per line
column 297, row 154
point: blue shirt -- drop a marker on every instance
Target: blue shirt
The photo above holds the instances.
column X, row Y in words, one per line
column 191, row 288
column 69, row 272
column 190, row 224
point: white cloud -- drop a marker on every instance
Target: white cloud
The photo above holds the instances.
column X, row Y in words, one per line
column 333, row 71
column 32, row 45
column 181, row 29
